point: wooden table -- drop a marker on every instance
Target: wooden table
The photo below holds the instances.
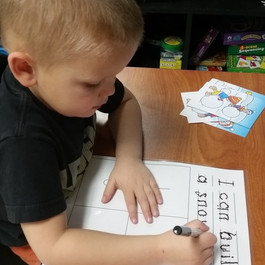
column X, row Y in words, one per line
column 167, row 135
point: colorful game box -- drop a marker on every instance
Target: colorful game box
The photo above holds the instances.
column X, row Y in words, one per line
column 248, row 58
column 247, row 49
column 246, row 63
column 203, row 45
column 243, row 37
column 217, row 59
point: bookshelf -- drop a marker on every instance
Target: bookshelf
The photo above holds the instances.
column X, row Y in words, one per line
column 190, row 20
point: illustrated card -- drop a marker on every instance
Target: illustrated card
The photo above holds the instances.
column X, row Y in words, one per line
column 194, row 115
column 232, row 103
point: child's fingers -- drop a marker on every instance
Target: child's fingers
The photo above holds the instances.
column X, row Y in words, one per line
column 109, row 191
column 131, row 204
column 152, row 201
column 207, row 240
column 197, row 224
column 147, row 202
column 208, row 256
column 157, row 192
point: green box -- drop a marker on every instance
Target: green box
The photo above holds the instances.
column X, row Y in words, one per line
column 247, row 49
column 246, row 64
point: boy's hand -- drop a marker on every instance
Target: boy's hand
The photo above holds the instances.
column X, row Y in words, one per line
column 187, row 250
column 138, row 186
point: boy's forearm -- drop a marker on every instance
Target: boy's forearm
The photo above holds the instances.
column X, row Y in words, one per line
column 55, row 244
column 87, row 247
column 126, row 127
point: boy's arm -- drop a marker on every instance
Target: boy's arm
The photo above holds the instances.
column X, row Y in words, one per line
column 130, row 174
column 55, row 244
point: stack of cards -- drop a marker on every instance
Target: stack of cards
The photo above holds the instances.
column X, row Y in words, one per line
column 223, row 105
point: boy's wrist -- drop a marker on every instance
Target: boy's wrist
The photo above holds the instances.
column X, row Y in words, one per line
column 128, row 159
column 159, row 250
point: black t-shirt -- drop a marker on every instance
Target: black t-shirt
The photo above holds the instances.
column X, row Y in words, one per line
column 42, row 156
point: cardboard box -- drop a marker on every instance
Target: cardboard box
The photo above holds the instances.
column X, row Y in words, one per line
column 218, row 59
column 175, row 64
column 208, row 68
column 243, row 37
column 203, row 45
column 247, row 49
column 246, row 64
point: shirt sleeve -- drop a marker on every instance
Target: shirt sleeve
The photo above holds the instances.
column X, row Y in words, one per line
column 30, row 189
column 114, row 100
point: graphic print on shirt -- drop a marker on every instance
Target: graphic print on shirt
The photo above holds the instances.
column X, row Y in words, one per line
column 72, row 175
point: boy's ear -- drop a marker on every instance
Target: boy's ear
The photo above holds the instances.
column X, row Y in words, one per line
column 22, row 67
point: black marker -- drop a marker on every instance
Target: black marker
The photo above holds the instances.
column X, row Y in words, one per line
column 186, row 231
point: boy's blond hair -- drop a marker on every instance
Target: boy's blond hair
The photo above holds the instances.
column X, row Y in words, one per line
column 58, row 30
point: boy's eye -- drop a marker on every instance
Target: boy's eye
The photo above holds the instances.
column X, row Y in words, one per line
column 90, row 85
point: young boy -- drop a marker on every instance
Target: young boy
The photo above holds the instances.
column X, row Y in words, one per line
column 63, row 59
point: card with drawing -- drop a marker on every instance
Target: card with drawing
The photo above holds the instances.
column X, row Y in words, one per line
column 224, row 105
column 194, row 115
